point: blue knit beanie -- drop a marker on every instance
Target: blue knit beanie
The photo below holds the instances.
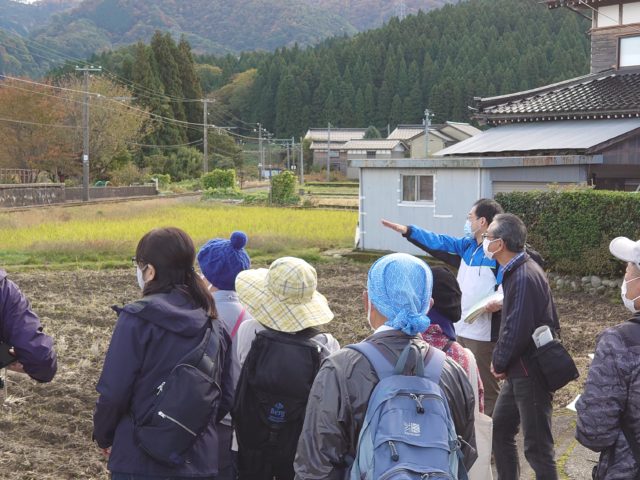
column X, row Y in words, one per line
column 221, row 260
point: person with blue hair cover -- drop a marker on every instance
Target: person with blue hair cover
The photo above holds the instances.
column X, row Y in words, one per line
column 400, row 286
column 397, row 300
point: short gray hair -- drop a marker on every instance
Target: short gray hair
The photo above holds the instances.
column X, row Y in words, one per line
column 511, row 230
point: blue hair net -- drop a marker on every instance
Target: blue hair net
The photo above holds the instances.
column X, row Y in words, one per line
column 399, row 286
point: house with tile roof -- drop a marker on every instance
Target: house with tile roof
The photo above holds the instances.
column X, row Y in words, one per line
column 584, row 130
column 329, row 142
column 440, row 136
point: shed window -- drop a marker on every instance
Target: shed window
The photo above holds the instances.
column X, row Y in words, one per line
column 417, row 188
column 629, row 51
column 371, row 154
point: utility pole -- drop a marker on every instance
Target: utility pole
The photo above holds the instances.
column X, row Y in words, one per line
column 301, row 162
column 205, row 145
column 328, row 151
column 427, row 123
column 261, row 156
column 85, row 129
column 288, row 145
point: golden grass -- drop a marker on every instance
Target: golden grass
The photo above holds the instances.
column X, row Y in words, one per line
column 93, row 233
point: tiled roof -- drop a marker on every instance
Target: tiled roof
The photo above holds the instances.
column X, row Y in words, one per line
column 372, row 144
column 609, row 94
column 464, row 128
column 337, row 134
column 406, row 132
column 325, row 146
column 573, row 3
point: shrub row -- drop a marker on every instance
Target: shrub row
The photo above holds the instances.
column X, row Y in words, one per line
column 572, row 229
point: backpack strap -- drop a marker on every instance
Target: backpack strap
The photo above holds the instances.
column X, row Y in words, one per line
column 382, row 366
column 238, row 322
column 434, row 364
column 431, row 368
column 447, row 346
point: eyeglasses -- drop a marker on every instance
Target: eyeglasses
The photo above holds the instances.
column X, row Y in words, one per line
column 486, row 235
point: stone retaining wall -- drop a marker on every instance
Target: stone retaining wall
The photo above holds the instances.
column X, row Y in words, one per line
column 33, row 194
column 22, row 195
column 74, row 194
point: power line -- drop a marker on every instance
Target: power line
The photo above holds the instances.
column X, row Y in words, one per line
column 195, row 142
column 25, row 122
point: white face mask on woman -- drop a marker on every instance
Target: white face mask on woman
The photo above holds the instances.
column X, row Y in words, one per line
column 629, row 303
column 140, row 276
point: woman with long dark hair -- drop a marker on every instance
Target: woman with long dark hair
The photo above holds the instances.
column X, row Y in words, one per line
column 151, row 337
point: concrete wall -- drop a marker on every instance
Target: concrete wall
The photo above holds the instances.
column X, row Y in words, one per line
column 22, row 195
column 74, row 194
column 455, row 190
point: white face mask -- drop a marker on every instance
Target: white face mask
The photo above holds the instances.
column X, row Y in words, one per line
column 629, row 303
column 369, row 315
column 140, row 276
column 485, row 247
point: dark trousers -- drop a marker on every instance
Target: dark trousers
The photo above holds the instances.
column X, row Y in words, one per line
column 255, row 465
column 227, row 459
column 523, row 401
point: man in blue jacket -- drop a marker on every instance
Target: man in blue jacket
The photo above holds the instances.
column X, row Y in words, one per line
column 478, row 278
column 20, row 329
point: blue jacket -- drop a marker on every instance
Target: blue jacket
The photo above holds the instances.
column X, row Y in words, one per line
column 149, row 339
column 477, row 277
column 20, row 327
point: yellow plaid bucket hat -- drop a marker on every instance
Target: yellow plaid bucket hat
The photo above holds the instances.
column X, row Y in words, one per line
column 284, row 297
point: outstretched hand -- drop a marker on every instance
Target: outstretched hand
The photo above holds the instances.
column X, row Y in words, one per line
column 395, row 226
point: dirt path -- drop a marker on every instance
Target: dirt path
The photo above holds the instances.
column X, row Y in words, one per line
column 46, row 429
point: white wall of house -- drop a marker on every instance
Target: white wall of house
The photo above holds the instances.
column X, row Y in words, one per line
column 454, row 192
column 417, row 146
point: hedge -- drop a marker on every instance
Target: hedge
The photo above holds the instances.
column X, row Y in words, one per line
column 219, row 179
column 283, row 187
column 572, row 229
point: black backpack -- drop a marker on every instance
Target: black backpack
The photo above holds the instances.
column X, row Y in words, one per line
column 271, row 399
column 186, row 402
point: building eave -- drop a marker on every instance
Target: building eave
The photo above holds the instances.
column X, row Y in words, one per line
column 481, row 162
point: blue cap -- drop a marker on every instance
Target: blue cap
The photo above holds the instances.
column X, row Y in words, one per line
column 221, row 260
column 399, row 286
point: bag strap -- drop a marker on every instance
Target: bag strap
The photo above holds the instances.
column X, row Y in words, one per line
column 447, row 346
column 382, row 366
column 238, row 322
column 431, row 367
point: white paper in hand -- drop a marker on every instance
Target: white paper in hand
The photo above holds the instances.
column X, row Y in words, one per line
column 480, row 307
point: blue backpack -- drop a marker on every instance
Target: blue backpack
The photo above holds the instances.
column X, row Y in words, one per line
column 408, row 432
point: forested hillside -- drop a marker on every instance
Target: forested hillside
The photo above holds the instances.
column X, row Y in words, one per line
column 441, row 59
column 78, row 28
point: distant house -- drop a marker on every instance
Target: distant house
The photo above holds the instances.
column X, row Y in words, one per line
column 582, row 130
column 324, row 141
column 385, row 149
column 440, row 136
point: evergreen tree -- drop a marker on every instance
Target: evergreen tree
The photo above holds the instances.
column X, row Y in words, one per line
column 191, row 88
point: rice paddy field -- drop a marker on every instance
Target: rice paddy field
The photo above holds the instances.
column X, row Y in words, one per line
column 105, row 235
column 73, row 264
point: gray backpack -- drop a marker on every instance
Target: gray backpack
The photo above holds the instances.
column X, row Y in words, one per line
column 408, row 432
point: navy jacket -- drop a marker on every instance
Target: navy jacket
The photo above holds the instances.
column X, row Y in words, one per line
column 149, row 339
column 527, row 304
column 20, row 327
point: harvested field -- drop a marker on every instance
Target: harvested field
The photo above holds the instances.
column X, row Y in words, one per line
column 46, row 429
